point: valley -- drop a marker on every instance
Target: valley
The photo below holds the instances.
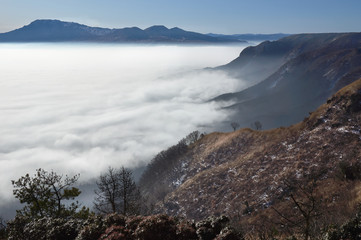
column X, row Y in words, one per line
column 291, row 77
column 300, row 162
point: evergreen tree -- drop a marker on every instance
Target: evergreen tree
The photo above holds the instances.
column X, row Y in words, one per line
column 44, row 194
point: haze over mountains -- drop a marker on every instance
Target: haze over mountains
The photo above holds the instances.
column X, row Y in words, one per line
column 45, row 30
column 59, row 31
column 245, row 173
column 275, row 68
column 241, row 173
column 291, row 76
column 251, row 37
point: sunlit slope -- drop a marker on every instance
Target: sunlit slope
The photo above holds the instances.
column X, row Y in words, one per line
column 224, row 171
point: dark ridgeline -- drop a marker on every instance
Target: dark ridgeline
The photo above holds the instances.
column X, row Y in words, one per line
column 291, row 77
column 59, row 31
column 252, row 37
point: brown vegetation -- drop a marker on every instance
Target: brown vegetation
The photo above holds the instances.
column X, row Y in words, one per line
column 120, row 227
column 243, row 173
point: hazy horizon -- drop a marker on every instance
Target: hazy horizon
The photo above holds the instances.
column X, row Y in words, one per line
column 231, row 17
column 79, row 108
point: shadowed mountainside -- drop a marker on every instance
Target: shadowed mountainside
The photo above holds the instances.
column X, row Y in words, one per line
column 291, row 77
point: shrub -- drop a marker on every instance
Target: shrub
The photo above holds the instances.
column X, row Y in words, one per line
column 92, row 229
column 119, row 227
column 211, row 227
column 350, row 171
column 156, row 227
column 16, row 227
column 44, row 228
column 115, row 233
column 349, row 230
column 114, row 219
column 229, row 233
column 133, row 222
column 186, row 231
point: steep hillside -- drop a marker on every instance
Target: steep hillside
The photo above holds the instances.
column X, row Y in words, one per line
column 59, row 31
column 294, row 74
column 256, row 63
column 246, row 169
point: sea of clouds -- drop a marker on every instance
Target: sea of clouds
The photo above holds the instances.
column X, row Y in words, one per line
column 76, row 108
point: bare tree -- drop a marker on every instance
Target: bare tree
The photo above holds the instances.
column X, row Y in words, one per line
column 106, row 200
column 234, row 125
column 117, row 192
column 304, row 207
column 257, row 125
column 192, row 137
column 129, row 192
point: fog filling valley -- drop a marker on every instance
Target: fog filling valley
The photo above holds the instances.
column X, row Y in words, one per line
column 76, row 108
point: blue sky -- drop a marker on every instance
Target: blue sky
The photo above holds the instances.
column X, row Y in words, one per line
column 227, row 16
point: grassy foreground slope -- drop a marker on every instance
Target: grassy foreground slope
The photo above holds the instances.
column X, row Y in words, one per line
column 248, row 173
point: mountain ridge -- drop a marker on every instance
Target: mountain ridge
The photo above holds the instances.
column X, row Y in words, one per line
column 228, row 173
column 250, row 175
column 291, row 77
column 48, row 30
column 252, row 37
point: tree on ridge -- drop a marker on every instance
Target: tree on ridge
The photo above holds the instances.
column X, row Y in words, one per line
column 117, row 192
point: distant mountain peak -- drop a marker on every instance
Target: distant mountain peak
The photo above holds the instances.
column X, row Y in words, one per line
column 52, row 21
column 157, row 28
column 177, row 29
column 52, row 30
column 44, row 20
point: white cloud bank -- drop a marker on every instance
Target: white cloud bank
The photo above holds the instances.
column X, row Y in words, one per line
column 81, row 108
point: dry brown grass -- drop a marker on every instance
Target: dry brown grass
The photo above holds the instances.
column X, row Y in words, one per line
column 228, row 170
column 344, row 92
column 349, row 89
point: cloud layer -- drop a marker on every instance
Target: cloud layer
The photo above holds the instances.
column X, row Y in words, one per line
column 81, row 108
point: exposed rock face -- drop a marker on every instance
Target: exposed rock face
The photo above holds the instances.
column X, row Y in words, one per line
column 225, row 173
